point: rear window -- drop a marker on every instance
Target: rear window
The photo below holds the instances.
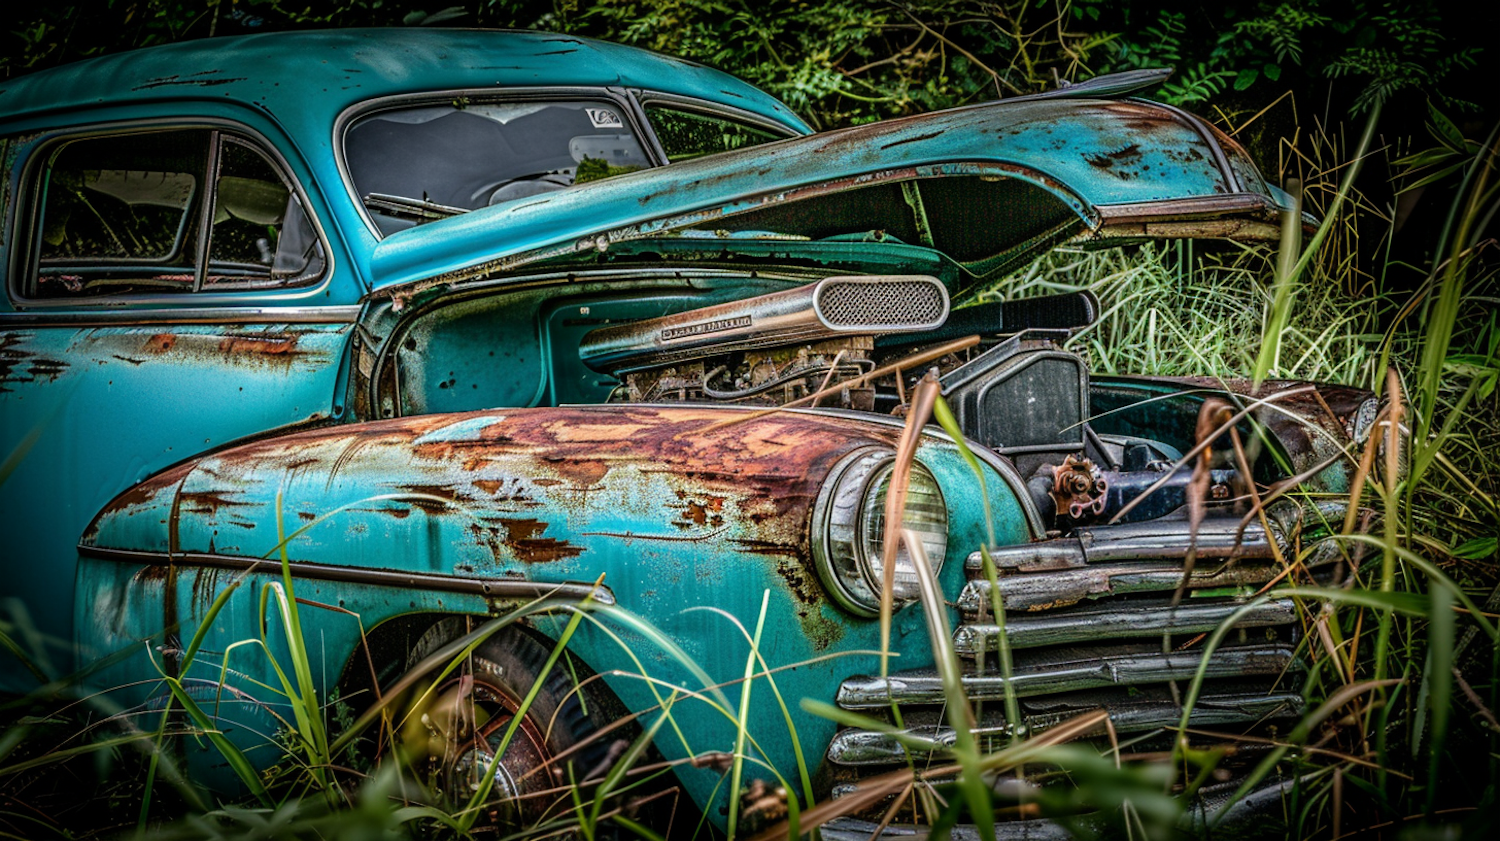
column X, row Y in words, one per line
column 419, row 162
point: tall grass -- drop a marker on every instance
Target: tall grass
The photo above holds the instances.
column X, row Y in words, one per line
column 1430, row 472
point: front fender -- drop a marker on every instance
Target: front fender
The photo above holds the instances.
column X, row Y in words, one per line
column 694, row 519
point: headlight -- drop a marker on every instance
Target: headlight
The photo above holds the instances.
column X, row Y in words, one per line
column 850, row 530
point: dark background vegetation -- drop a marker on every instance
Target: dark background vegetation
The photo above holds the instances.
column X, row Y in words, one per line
column 1280, row 66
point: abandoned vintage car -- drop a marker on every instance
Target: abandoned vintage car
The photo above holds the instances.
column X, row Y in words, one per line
column 443, row 326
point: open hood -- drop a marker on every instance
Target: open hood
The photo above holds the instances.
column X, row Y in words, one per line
column 988, row 186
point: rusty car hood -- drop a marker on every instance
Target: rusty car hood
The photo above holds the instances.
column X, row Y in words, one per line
column 1112, row 166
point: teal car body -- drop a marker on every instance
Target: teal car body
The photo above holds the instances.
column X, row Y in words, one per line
column 406, row 411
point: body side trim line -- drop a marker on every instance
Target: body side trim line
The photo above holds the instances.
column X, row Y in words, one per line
column 503, row 587
column 192, row 315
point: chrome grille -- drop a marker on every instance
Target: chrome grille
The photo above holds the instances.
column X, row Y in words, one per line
column 1085, row 619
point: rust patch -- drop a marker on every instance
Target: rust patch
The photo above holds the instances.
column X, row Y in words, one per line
column 160, row 343
column 595, row 433
column 523, row 537
column 282, row 347
column 18, row 365
column 205, row 588
column 189, row 81
column 144, row 493
column 808, row 599
column 1143, row 118
column 766, row 469
column 151, row 574
column 446, row 498
column 917, row 139
column 275, row 345
column 209, row 502
column 1121, row 163
column 580, row 474
column 696, row 513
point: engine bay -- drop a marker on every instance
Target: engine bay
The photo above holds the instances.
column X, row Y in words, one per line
column 863, row 343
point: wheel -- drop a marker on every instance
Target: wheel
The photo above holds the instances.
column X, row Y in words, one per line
column 452, row 733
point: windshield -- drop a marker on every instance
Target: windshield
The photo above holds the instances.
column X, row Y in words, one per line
column 432, row 160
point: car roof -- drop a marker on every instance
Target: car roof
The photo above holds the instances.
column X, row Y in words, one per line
column 324, row 72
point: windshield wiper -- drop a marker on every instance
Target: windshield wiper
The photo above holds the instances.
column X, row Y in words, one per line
column 412, row 210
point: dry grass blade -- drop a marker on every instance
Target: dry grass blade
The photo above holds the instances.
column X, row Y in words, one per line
column 923, row 398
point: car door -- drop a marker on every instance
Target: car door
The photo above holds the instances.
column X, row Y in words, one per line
column 168, row 291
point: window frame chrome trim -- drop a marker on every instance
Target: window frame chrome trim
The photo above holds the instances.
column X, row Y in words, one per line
column 23, row 233
column 336, row 314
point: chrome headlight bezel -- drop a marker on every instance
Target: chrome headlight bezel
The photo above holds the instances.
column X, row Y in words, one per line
column 848, row 529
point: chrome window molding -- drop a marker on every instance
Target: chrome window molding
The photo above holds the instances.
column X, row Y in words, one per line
column 21, row 229
column 186, row 315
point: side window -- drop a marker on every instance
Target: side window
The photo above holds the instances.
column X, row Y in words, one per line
column 126, row 214
column 261, row 235
column 686, row 134
column 120, row 215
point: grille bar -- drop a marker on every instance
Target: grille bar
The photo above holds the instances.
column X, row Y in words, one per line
column 1094, row 623
column 856, row 747
column 1060, row 588
column 1218, row 537
column 1067, row 674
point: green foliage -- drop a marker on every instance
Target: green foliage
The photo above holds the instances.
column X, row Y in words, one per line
column 1394, row 664
column 841, row 62
column 1386, row 46
column 593, row 169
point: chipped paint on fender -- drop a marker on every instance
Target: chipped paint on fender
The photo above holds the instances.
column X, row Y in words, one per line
column 678, row 509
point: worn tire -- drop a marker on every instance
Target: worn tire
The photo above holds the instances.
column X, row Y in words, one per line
column 450, row 740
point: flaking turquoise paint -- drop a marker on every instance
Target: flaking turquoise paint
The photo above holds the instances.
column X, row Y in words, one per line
column 675, row 580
